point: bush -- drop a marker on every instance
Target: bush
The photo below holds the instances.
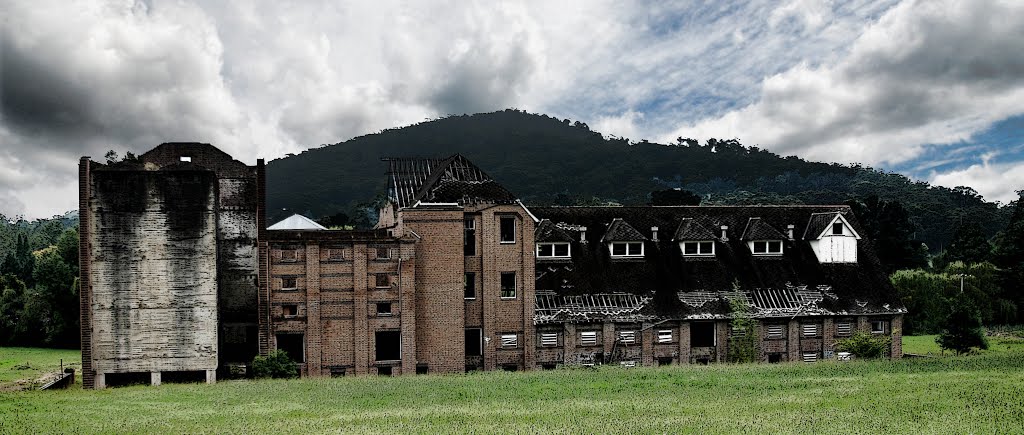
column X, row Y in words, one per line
column 864, row 345
column 963, row 328
column 275, row 365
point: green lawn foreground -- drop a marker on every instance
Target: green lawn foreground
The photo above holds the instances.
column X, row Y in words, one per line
column 29, row 363
column 926, row 345
column 976, row 394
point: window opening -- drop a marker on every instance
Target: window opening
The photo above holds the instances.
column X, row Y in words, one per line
column 293, row 345
column 878, row 327
column 290, row 310
column 288, row 256
column 665, row 336
column 768, row 247
column 588, row 338
column 383, row 253
column 509, row 341
column 702, row 334
column 776, row 331
column 837, row 229
column 627, row 249
column 388, row 345
column 706, row 248
column 473, row 342
column 508, row 285
column 627, row 337
column 382, row 280
column 844, row 328
column 469, row 238
column 508, row 229
column 383, row 308
column 469, row 286
column 549, row 339
column 552, row 250
column 289, row 283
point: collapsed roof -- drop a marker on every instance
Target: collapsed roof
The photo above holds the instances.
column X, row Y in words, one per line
column 454, row 179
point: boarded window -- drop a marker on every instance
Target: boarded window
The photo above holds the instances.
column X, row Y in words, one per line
column 844, row 328
column 776, row 331
column 508, row 229
column 702, row 334
column 473, row 345
column 383, row 253
column 289, row 282
column 293, row 345
column 382, row 280
column 509, row 341
column 549, row 339
column 469, row 289
column 627, row 337
column 469, row 237
column 508, row 284
column 388, row 345
column 383, row 308
column 810, row 330
column 665, row 336
column 810, row 356
column 588, row 338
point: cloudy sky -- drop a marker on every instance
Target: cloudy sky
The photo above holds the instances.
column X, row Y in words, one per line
column 931, row 89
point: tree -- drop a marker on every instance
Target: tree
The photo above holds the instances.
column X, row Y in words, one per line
column 969, row 245
column 674, row 197
column 743, row 337
column 963, row 327
column 1008, row 255
column 888, row 225
column 20, row 261
column 12, row 305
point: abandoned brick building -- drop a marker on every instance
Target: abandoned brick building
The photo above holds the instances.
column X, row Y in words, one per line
column 181, row 274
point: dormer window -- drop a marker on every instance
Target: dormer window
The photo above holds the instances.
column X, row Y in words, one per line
column 627, row 249
column 186, row 159
column 837, row 229
column 832, row 238
column 700, row 248
column 552, row 250
column 766, row 247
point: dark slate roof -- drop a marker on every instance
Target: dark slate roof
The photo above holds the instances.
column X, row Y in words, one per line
column 454, row 179
column 664, row 273
column 620, row 231
column 817, row 224
column 547, row 231
column 694, row 229
column 758, row 229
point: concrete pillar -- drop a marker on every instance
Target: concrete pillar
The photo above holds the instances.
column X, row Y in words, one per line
column 608, row 334
column 99, row 381
column 569, row 338
column 684, row 342
column 154, row 378
column 793, row 341
column 211, row 376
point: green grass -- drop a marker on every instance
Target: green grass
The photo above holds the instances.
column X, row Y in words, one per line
column 29, row 363
column 926, row 345
column 977, row 394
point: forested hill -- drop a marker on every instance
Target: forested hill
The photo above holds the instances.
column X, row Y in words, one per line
column 547, row 161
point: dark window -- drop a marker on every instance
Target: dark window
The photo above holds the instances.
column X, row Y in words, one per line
column 293, row 345
column 290, row 310
column 702, row 334
column 469, row 240
column 473, row 342
column 508, row 229
column 383, row 253
column 837, row 228
column 627, row 249
column 389, row 345
column 289, row 282
column 383, row 308
column 774, row 247
column 545, row 250
column 549, row 366
column 878, row 327
column 383, row 280
column 337, row 372
column 774, row 358
column 665, row 361
column 384, row 371
column 690, row 248
column 508, row 284
column 422, row 369
column 510, row 367
column 469, row 291
column 562, row 250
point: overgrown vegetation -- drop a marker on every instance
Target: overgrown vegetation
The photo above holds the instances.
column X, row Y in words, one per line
column 864, row 345
column 743, row 336
column 277, row 364
column 929, row 395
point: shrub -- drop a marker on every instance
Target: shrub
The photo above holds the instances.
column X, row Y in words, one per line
column 275, row 365
column 864, row 345
column 963, row 328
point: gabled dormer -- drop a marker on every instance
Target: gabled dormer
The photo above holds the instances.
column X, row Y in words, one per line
column 623, row 240
column 695, row 239
column 553, row 242
column 832, row 238
column 762, row 239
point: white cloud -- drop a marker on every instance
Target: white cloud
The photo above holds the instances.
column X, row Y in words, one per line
column 927, row 73
column 994, row 181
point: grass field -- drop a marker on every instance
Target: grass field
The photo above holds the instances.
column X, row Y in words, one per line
column 926, row 345
column 980, row 393
column 29, row 363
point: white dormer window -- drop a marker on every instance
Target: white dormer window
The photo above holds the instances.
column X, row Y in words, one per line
column 698, row 248
column 832, row 239
column 766, row 247
column 553, row 250
column 626, row 249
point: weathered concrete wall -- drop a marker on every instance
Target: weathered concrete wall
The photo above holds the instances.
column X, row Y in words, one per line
column 237, row 268
column 153, row 271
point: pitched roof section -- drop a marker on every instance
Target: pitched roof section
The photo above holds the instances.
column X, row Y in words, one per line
column 821, row 222
column 758, row 229
column 548, row 232
column 620, row 231
column 694, row 229
column 454, row 179
column 297, row 222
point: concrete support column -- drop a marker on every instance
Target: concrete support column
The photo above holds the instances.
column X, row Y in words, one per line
column 100, row 381
column 154, row 378
column 721, row 341
column 684, row 342
column 211, row 376
column 793, row 341
column 569, row 338
column 608, row 336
